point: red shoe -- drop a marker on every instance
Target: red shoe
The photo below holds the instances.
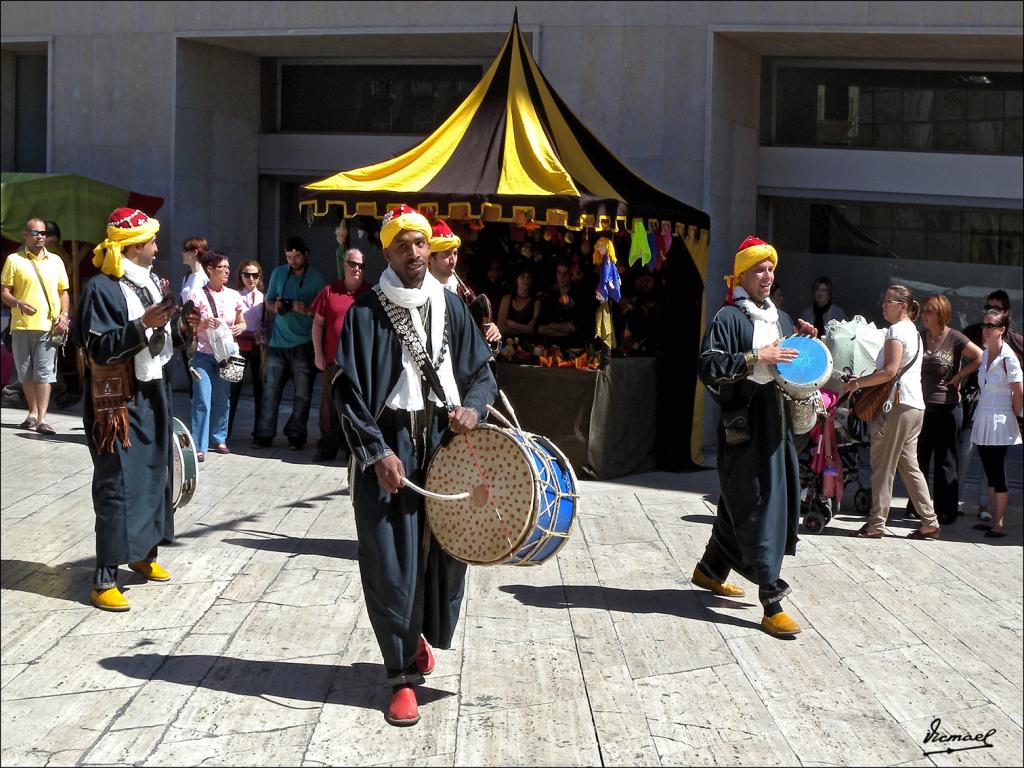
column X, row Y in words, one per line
column 403, row 709
column 424, row 657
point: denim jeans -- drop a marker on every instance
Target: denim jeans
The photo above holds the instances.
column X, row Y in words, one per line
column 210, row 403
column 284, row 363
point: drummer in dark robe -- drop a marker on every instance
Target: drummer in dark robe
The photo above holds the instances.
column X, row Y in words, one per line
column 759, row 507
column 124, row 329
column 394, row 419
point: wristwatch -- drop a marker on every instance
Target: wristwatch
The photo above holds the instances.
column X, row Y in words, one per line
column 750, row 358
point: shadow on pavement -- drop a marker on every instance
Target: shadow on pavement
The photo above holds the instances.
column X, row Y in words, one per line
column 684, row 603
column 294, row 545
column 360, row 684
column 709, row 519
column 308, row 502
column 60, row 437
column 67, row 581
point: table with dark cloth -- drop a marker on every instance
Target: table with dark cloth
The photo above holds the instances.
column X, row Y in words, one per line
column 603, row 421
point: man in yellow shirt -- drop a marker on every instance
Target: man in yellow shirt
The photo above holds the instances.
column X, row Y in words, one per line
column 34, row 284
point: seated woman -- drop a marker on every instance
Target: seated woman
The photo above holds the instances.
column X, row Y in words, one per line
column 517, row 313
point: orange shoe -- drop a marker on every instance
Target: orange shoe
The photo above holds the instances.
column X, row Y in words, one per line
column 424, row 657
column 152, row 571
column 780, row 625
column 403, row 709
column 720, row 588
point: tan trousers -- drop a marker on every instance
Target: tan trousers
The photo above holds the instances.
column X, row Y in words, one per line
column 894, row 445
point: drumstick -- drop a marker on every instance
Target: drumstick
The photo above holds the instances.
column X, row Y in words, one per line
column 499, row 415
column 431, row 495
column 508, row 407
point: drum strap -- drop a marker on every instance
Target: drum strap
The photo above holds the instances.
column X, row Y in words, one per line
column 398, row 317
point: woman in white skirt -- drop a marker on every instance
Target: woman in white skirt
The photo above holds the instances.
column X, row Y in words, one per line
column 995, row 424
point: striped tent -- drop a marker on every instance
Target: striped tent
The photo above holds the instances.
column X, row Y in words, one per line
column 512, row 149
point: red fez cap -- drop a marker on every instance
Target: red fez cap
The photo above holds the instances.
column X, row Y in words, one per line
column 127, row 218
column 750, row 242
column 441, row 229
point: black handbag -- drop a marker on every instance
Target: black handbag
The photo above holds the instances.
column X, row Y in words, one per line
column 736, row 425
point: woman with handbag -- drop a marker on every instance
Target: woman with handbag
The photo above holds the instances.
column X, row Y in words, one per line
column 996, row 427
column 252, row 342
column 218, row 307
column 892, row 400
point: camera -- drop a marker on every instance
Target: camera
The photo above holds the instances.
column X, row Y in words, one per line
column 286, row 307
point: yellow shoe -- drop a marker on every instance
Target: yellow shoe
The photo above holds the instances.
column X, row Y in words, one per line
column 152, row 571
column 109, row 599
column 780, row 625
column 721, row 588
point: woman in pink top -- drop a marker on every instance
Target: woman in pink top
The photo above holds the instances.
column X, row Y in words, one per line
column 217, row 304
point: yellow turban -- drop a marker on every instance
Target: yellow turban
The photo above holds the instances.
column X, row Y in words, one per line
column 752, row 251
column 126, row 226
column 403, row 218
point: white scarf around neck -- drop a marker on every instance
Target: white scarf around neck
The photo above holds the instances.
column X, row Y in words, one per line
column 147, row 368
column 407, row 394
column 766, row 330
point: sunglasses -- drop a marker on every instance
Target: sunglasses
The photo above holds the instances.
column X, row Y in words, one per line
column 36, row 232
column 991, row 325
column 996, row 307
column 253, row 275
column 356, row 264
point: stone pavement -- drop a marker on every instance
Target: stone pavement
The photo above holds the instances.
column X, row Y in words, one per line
column 259, row 652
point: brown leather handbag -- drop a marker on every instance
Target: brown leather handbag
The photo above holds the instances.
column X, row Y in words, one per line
column 113, row 387
column 869, row 401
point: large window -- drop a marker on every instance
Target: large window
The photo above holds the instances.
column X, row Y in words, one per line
column 920, row 110
column 344, row 98
column 966, row 235
column 963, row 253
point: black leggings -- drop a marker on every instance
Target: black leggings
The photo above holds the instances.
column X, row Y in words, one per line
column 993, row 459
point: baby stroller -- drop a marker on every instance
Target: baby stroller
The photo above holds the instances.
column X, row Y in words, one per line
column 830, row 462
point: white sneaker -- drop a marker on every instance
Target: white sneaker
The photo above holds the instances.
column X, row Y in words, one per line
column 985, row 515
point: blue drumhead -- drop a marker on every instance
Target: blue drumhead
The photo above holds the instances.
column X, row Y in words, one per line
column 811, row 364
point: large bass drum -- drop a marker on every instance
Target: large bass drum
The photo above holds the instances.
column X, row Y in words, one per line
column 522, row 497
column 184, row 467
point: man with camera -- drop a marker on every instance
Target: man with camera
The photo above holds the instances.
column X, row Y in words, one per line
column 289, row 297
column 34, row 285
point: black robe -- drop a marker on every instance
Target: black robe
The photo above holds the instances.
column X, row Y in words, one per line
column 131, row 490
column 405, row 597
column 759, row 507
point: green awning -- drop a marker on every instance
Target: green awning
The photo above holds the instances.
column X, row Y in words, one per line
column 79, row 205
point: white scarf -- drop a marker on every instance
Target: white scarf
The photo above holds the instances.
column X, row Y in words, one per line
column 147, row 368
column 766, row 330
column 407, row 394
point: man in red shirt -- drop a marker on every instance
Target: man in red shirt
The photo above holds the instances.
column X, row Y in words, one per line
column 329, row 308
